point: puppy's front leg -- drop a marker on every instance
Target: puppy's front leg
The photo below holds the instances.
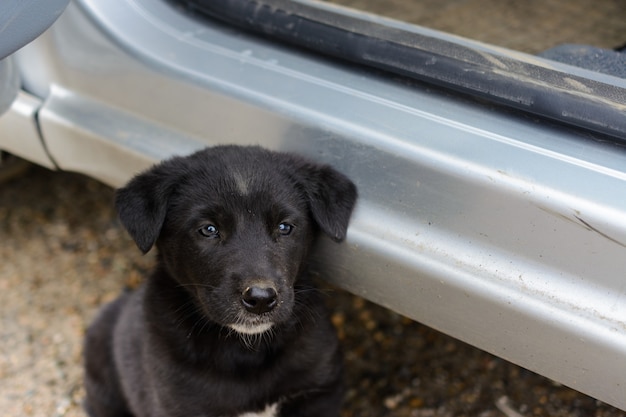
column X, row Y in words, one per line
column 320, row 404
column 104, row 393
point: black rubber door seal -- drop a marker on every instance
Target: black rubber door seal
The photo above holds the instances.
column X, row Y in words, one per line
column 498, row 78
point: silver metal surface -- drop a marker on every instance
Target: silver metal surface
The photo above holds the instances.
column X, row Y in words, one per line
column 19, row 132
column 21, row 21
column 9, row 83
column 505, row 232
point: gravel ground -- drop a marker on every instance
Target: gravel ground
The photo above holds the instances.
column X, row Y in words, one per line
column 530, row 26
column 63, row 254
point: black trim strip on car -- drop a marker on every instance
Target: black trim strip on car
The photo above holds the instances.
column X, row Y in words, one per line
column 532, row 88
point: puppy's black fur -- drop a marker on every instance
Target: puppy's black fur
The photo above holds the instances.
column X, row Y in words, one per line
column 229, row 323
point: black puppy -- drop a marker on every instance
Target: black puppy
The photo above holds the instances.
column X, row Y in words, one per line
column 229, row 324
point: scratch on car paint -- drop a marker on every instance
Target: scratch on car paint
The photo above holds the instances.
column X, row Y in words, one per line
column 604, row 235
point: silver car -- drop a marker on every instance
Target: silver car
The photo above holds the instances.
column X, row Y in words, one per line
column 492, row 183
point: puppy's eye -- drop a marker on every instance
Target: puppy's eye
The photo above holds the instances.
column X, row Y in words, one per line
column 209, row 231
column 285, row 229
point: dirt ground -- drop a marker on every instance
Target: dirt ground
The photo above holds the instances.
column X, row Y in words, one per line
column 64, row 254
column 530, row 26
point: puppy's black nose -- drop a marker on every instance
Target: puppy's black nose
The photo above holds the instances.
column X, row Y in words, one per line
column 259, row 300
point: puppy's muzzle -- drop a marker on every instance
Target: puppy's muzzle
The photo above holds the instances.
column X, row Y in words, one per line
column 259, row 300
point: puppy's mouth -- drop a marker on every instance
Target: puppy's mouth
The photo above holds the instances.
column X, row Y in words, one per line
column 253, row 312
column 251, row 328
column 258, row 308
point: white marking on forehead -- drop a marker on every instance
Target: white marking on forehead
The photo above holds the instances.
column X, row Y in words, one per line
column 241, row 182
column 270, row 411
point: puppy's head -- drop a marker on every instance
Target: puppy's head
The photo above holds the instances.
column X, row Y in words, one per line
column 233, row 226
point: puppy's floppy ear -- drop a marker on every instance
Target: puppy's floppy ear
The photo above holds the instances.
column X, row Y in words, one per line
column 331, row 196
column 142, row 203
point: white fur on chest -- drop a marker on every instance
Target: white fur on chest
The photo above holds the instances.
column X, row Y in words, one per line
column 270, row 411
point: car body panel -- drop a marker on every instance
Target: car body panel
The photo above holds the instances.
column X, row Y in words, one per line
column 21, row 21
column 9, row 84
column 20, row 130
column 503, row 230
